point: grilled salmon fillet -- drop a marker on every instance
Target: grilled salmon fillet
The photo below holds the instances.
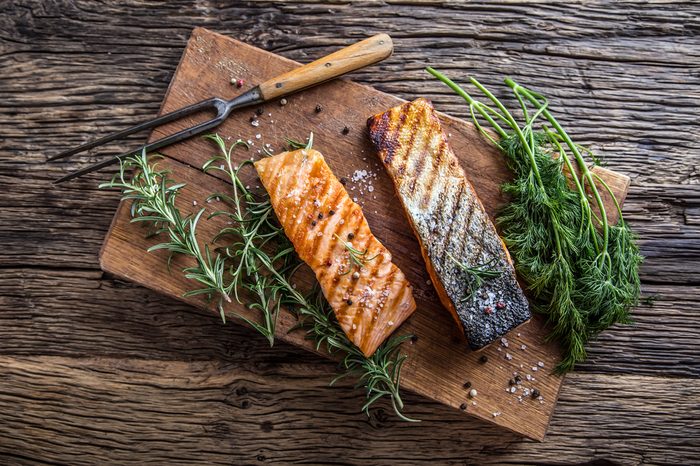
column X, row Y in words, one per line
column 368, row 293
column 450, row 223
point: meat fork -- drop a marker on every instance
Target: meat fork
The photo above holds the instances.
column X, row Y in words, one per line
column 351, row 58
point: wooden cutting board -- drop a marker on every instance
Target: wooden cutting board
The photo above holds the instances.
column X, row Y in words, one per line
column 439, row 363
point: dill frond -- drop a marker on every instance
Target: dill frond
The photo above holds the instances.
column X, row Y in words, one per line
column 581, row 271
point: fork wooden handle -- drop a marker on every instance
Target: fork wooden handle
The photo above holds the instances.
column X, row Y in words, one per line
column 351, row 58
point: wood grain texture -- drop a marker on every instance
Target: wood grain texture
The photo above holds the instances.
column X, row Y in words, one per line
column 237, row 415
column 622, row 76
column 440, row 362
column 353, row 57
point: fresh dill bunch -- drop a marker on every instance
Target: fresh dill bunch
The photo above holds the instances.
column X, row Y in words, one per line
column 582, row 271
column 152, row 194
column 263, row 262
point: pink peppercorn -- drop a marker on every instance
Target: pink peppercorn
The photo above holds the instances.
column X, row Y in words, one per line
column 500, row 305
column 239, row 83
column 488, row 310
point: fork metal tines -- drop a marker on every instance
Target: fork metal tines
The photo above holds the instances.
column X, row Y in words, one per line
column 223, row 109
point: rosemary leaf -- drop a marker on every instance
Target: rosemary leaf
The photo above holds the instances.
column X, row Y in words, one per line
column 153, row 195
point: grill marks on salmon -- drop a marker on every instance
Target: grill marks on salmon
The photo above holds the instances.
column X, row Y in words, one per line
column 321, row 220
column 449, row 221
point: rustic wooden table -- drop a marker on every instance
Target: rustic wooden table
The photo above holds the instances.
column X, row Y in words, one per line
column 94, row 370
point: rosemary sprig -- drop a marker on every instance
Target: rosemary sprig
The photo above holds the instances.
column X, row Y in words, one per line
column 252, row 229
column 258, row 260
column 379, row 375
column 153, row 196
column 272, row 263
column 582, row 270
column 356, row 257
column 293, row 144
column 477, row 274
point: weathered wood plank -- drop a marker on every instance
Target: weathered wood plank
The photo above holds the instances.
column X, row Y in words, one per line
column 131, row 411
column 83, row 317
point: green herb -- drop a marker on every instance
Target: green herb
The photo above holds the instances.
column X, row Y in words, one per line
column 252, row 228
column 581, row 270
column 293, row 144
column 269, row 258
column 357, row 258
column 477, row 274
column 379, row 374
column 257, row 260
column 153, row 196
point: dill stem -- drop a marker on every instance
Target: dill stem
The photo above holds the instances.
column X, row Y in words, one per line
column 577, row 182
column 612, row 195
column 470, row 100
column 585, row 172
column 514, row 125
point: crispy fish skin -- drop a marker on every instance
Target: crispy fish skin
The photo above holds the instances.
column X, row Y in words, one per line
column 315, row 210
column 448, row 220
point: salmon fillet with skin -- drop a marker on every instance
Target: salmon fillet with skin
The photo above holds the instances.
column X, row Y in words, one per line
column 449, row 221
column 370, row 300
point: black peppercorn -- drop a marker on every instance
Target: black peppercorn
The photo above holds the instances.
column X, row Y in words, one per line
column 467, row 385
column 252, row 119
column 318, row 108
column 320, row 215
column 346, row 130
column 518, row 379
column 313, row 223
column 535, row 393
column 511, row 382
column 331, row 212
column 463, row 406
column 483, row 359
column 414, row 338
column 349, row 301
column 343, row 180
column 259, row 111
column 351, row 235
